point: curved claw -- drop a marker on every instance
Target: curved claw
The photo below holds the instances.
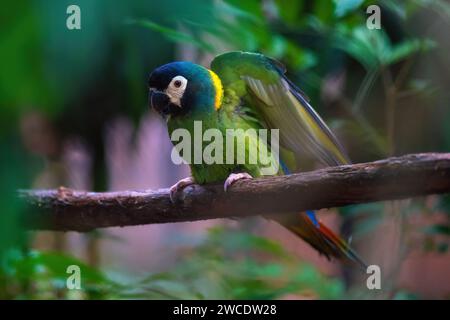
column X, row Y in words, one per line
column 179, row 186
column 232, row 178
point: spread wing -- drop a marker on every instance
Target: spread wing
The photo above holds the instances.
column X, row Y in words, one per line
column 262, row 83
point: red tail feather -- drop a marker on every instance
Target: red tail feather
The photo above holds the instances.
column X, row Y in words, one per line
column 321, row 238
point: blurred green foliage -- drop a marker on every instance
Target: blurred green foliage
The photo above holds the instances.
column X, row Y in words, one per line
column 383, row 91
column 43, row 275
column 232, row 264
column 229, row 264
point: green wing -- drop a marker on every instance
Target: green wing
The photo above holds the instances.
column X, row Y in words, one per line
column 261, row 82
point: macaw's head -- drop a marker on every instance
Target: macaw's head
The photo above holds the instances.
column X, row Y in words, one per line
column 182, row 88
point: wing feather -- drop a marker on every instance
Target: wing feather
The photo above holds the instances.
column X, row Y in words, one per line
column 281, row 104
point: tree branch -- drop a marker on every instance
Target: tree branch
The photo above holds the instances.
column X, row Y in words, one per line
column 393, row 178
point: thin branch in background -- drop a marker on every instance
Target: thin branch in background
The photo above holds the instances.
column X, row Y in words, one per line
column 390, row 92
column 364, row 88
column 375, row 137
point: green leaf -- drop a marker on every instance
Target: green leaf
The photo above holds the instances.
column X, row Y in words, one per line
column 290, row 11
column 373, row 48
column 365, row 46
column 406, row 49
column 342, row 7
column 173, row 35
column 396, row 7
column 251, row 10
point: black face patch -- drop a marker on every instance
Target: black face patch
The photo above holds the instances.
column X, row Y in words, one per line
column 161, row 77
column 160, row 80
column 159, row 101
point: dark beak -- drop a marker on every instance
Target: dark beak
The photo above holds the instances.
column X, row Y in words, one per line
column 159, row 101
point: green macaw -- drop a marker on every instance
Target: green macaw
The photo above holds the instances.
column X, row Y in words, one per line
column 249, row 91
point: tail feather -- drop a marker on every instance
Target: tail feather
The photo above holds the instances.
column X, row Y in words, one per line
column 321, row 238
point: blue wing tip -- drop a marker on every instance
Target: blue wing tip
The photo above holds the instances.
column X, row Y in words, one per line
column 312, row 216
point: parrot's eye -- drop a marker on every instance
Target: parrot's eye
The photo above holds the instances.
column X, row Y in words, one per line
column 178, row 82
column 176, row 88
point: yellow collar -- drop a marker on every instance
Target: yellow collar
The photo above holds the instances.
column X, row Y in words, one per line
column 218, row 88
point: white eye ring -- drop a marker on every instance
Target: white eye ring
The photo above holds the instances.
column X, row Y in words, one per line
column 176, row 88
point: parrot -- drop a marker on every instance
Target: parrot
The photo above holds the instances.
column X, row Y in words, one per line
column 245, row 90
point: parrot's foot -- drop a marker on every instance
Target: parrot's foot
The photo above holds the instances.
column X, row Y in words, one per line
column 179, row 186
column 232, row 178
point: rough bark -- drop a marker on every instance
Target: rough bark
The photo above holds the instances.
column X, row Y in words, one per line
column 393, row 178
